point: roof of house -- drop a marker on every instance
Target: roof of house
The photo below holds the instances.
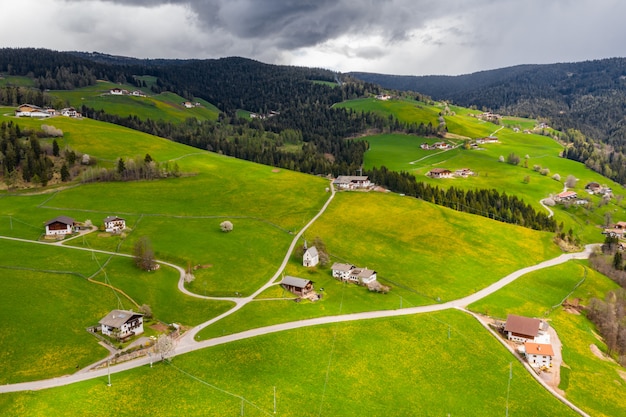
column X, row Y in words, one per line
column 440, row 171
column 342, row 267
column 538, row 349
column 620, row 225
column 592, row 185
column 366, row 273
column 347, row 179
column 112, row 219
column 312, row 251
column 295, row 282
column 116, row 318
column 522, row 325
column 61, row 219
column 566, row 194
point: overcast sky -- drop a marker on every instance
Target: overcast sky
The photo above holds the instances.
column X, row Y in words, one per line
column 411, row 37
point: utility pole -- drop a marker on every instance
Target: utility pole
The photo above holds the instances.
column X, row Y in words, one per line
column 274, row 399
column 508, row 390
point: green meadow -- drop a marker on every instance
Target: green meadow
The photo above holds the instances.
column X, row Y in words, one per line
column 402, row 153
column 539, row 294
column 433, row 364
column 165, row 106
column 405, row 110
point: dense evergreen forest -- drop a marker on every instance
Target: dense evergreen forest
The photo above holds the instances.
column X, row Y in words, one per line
column 587, row 97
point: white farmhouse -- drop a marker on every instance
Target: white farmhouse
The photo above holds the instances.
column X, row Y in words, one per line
column 114, row 224
column 539, row 354
column 122, row 324
column 30, row 110
column 59, row 226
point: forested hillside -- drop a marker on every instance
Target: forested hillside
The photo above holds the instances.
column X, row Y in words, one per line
column 589, row 97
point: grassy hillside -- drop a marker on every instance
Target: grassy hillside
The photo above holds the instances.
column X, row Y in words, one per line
column 539, row 295
column 165, row 106
column 425, row 253
column 403, row 153
column 378, row 367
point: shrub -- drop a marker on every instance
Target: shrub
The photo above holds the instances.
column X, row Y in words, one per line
column 544, row 171
column 556, row 177
column 226, row 226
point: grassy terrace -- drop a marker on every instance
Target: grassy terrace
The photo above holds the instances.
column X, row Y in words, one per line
column 376, row 367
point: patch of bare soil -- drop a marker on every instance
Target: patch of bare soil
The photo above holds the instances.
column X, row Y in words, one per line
column 572, row 311
column 596, row 351
column 276, row 170
column 205, row 266
column 159, row 327
column 622, row 374
column 104, row 234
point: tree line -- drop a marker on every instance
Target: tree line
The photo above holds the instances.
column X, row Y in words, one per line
column 482, row 202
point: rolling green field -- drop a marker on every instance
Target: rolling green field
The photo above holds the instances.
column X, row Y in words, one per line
column 595, row 385
column 405, row 110
column 421, row 264
column 165, row 106
column 432, row 364
column 402, row 153
column 391, row 367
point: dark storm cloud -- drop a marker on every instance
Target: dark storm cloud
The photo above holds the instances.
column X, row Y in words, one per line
column 292, row 24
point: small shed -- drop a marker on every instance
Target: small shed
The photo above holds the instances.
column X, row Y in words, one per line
column 297, row 286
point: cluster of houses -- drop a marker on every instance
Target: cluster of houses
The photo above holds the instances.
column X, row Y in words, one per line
column 190, row 105
column 489, row 117
column 352, row 182
column 122, row 92
column 383, row 97
column 30, row 110
column 351, row 273
column 446, row 173
column 595, row 188
column 63, row 225
column 436, row 145
column 533, row 339
column 617, row 230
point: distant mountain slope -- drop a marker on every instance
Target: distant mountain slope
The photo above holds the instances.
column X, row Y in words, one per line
column 589, row 96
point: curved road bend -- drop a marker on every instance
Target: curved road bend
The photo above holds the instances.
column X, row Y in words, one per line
column 186, row 345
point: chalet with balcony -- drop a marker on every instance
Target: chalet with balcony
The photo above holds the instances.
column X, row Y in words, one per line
column 350, row 182
column 60, row 226
column 114, row 224
column 122, row 324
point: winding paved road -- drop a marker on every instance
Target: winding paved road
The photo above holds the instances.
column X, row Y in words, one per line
column 187, row 342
